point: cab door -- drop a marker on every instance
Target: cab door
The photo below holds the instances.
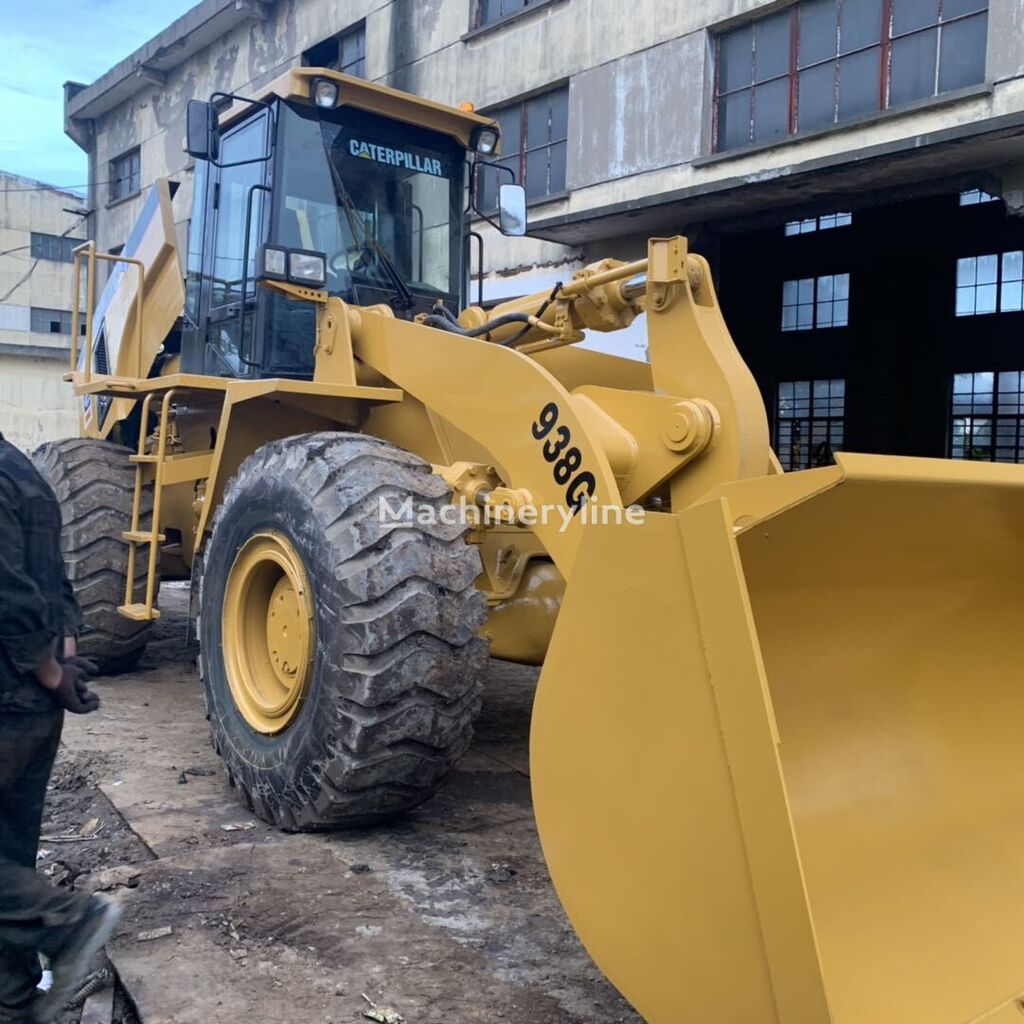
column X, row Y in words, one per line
column 238, row 214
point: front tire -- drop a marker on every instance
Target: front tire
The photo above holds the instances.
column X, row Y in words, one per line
column 338, row 652
column 95, row 483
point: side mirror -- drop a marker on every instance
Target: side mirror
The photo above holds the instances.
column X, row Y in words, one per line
column 202, row 134
column 512, row 210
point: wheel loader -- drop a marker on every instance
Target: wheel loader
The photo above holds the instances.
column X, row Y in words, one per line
column 774, row 744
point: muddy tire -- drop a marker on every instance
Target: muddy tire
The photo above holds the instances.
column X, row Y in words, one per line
column 394, row 674
column 94, row 483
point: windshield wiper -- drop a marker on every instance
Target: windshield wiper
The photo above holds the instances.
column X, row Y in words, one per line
column 403, row 300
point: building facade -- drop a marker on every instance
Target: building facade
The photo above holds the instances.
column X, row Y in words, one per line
column 39, row 226
column 853, row 170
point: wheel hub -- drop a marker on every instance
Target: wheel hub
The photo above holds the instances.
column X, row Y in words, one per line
column 268, row 632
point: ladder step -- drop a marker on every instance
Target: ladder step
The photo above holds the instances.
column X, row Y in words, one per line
column 139, row 612
column 142, row 537
column 143, row 458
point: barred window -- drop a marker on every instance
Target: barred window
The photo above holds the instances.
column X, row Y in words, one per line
column 990, row 283
column 809, row 422
column 987, row 411
column 533, row 146
column 53, row 247
column 345, row 52
column 822, row 62
column 352, row 51
column 53, row 321
column 811, row 302
column 976, row 197
column 125, row 175
column 825, row 222
column 490, row 11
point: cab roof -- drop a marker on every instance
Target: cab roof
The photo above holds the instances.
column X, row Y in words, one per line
column 363, row 95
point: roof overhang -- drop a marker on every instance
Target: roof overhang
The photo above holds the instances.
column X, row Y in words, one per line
column 913, row 166
column 204, row 24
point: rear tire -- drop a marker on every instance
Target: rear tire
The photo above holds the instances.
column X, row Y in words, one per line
column 394, row 678
column 95, row 484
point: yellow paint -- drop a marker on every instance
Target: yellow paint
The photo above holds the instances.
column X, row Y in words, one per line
column 774, row 749
column 812, row 811
column 376, row 99
column 148, row 300
column 269, row 630
column 520, row 626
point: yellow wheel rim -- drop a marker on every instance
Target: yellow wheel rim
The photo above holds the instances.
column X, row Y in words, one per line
column 268, row 632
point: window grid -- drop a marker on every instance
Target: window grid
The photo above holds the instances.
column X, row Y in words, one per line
column 822, row 62
column 352, row 52
column 990, row 283
column 59, row 248
column 986, row 417
column 53, row 321
column 975, row 197
column 809, row 422
column 534, row 137
column 811, row 302
column 826, row 222
column 125, row 175
column 488, row 12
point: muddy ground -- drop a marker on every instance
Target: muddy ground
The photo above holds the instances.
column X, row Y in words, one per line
column 444, row 917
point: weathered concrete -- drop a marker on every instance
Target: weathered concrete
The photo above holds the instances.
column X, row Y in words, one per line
column 651, row 103
column 640, row 105
column 34, row 405
column 452, row 919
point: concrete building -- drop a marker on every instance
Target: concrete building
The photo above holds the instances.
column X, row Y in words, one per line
column 853, row 169
column 39, row 226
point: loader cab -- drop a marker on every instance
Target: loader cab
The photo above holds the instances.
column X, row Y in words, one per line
column 367, row 206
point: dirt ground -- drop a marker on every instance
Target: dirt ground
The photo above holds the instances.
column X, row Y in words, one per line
column 444, row 917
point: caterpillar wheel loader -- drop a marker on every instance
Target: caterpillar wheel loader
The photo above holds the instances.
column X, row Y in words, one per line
column 774, row 748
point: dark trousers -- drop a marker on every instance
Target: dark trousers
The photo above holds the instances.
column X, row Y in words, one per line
column 35, row 917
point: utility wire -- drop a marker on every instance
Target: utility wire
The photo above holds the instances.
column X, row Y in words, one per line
column 65, row 188
column 58, row 188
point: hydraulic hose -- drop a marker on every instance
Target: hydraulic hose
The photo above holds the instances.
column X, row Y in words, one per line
column 444, row 324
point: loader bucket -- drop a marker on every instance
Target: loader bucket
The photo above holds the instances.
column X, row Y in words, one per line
column 778, row 749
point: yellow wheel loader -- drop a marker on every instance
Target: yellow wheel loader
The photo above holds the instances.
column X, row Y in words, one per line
column 774, row 746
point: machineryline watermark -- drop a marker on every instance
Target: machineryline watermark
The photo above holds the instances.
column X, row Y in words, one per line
column 409, row 513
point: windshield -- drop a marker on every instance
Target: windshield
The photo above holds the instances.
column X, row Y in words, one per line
column 353, row 184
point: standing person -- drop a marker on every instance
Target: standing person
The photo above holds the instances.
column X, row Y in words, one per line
column 39, row 619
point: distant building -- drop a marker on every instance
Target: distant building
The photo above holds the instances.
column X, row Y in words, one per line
column 852, row 169
column 39, row 226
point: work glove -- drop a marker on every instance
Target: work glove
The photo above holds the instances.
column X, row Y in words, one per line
column 73, row 693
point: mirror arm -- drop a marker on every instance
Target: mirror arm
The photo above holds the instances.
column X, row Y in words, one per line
column 480, row 276
column 270, row 127
column 472, row 188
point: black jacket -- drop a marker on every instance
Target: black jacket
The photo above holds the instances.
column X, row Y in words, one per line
column 37, row 605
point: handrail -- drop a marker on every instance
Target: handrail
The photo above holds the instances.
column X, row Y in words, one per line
column 88, row 250
column 135, row 521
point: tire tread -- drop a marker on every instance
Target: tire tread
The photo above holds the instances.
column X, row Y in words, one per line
column 95, row 483
column 408, row 685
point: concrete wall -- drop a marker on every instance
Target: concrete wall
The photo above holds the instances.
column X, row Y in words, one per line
column 35, row 404
column 639, row 121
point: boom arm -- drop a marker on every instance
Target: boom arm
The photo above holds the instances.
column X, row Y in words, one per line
column 706, row 408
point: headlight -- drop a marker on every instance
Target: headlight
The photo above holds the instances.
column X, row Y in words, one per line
column 485, row 139
column 323, row 92
column 274, row 263
column 307, row 267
